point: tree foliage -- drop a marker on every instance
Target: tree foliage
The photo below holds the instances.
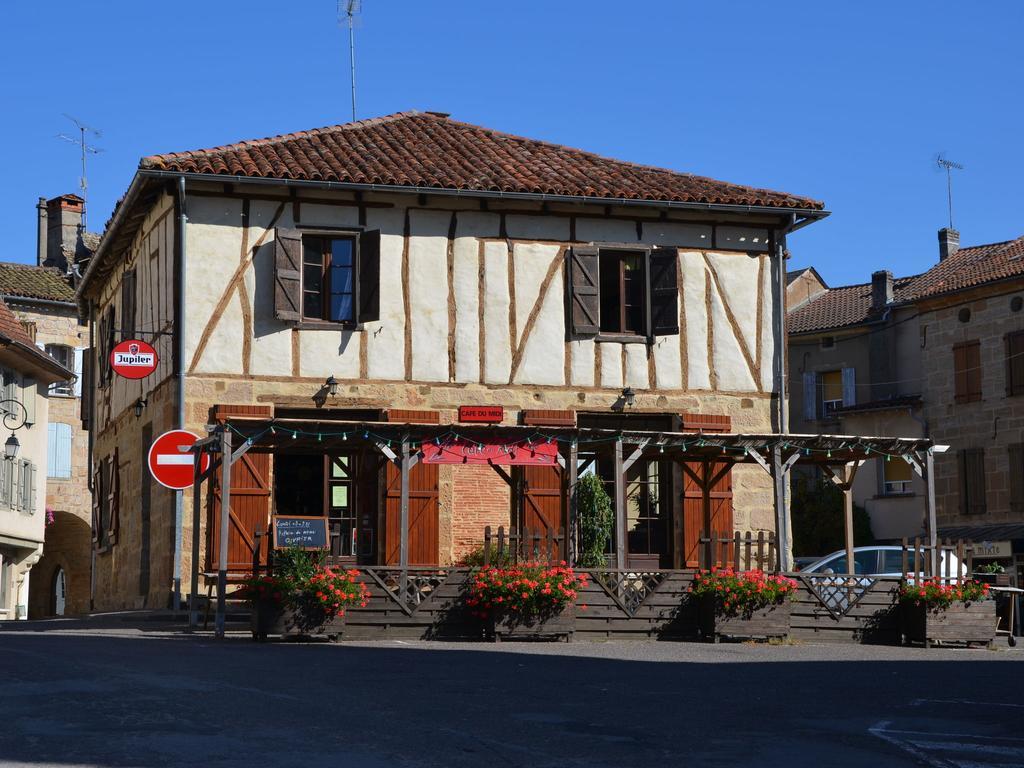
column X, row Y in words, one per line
column 818, row 524
column 595, row 519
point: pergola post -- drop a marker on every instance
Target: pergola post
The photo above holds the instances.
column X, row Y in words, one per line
column 620, row 508
column 193, row 594
column 780, row 476
column 705, row 510
column 572, row 479
column 931, row 528
column 225, row 512
column 843, row 478
column 403, row 516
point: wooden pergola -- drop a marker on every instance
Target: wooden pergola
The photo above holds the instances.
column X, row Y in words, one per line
column 705, row 458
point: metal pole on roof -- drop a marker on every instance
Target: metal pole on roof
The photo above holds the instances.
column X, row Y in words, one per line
column 352, row 7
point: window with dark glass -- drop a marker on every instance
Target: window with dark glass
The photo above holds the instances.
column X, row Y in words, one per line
column 328, row 279
column 65, row 356
column 1014, row 363
column 622, row 292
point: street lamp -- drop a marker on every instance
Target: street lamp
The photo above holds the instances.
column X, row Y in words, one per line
column 11, row 448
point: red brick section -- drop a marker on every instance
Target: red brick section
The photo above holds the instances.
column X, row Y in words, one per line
column 481, row 498
column 844, row 306
column 423, row 149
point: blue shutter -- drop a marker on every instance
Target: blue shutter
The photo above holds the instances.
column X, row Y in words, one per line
column 58, row 455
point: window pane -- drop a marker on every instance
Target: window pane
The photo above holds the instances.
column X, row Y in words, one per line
column 341, row 253
column 897, row 469
column 339, row 496
column 312, row 277
column 611, row 301
column 339, row 466
column 312, row 306
column 312, row 251
column 341, row 306
column 341, row 280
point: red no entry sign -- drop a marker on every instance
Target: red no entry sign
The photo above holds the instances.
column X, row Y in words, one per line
column 170, row 461
column 133, row 359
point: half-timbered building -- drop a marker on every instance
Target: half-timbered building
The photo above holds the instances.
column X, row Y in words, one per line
column 335, row 285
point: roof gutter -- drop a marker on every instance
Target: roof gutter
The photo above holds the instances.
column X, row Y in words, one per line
column 9, row 297
column 37, row 358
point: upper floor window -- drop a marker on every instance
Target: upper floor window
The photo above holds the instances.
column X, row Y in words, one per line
column 65, row 356
column 321, row 278
column 825, row 392
column 831, row 393
column 896, row 476
column 623, row 291
column 1014, row 363
column 967, row 371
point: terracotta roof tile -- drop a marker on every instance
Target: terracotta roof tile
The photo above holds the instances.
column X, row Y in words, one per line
column 11, row 327
column 417, row 149
column 32, row 282
column 973, row 266
column 844, row 306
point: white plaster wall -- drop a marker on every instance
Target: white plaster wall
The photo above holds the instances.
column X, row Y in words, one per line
column 768, row 324
column 636, row 366
column 582, row 353
column 737, row 276
column 673, row 233
column 497, row 355
column 543, row 355
column 329, row 353
column 696, row 318
column 466, row 278
column 385, row 339
column 428, row 292
column 33, row 439
column 667, row 365
column 611, row 364
column 730, row 367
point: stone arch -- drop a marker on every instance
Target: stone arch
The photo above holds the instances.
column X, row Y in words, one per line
column 68, row 545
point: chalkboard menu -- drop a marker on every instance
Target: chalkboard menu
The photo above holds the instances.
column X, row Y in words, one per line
column 302, row 532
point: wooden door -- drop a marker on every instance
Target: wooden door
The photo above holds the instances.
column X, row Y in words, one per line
column 424, row 523
column 543, row 507
column 721, row 493
column 249, row 511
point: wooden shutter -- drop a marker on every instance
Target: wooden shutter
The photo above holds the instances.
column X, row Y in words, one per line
column 369, row 276
column 85, row 403
column 97, row 501
column 31, row 479
column 972, row 481
column 849, row 386
column 967, row 371
column 111, row 342
column 810, row 396
column 1016, row 451
column 128, row 305
column 287, row 274
column 693, row 498
column 584, row 298
column 29, row 389
column 1014, row 344
column 424, row 508
column 664, row 292
column 114, row 495
column 543, row 505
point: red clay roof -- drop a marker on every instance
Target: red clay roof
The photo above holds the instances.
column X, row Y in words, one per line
column 973, row 266
column 424, row 149
column 11, row 327
column 843, row 306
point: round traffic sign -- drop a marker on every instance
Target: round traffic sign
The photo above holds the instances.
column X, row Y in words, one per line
column 170, row 461
column 133, row 359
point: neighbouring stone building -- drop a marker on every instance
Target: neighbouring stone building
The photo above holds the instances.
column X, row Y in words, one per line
column 26, row 374
column 855, row 369
column 415, row 264
column 43, row 298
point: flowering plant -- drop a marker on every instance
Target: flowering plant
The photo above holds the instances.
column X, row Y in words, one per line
column 741, row 593
column 527, row 590
column 934, row 594
column 302, row 582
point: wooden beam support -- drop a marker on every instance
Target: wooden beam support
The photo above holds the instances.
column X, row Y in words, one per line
column 225, row 512
column 780, row 477
column 705, row 508
column 572, row 481
column 931, row 526
column 502, row 474
column 620, row 508
column 636, row 454
column 403, row 522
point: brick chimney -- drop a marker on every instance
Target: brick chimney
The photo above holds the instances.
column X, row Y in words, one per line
column 41, row 232
column 63, row 230
column 881, row 289
column 949, row 242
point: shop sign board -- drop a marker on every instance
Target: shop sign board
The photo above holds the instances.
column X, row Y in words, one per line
column 482, row 414
column 133, row 359
column 171, row 462
column 540, row 454
column 992, row 549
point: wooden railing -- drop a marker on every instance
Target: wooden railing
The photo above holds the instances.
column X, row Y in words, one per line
column 739, row 551
column 916, row 558
column 534, row 544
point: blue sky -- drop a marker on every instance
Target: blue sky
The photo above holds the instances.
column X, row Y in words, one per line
column 845, row 102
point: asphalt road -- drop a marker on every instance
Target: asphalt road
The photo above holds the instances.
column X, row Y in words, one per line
column 126, row 697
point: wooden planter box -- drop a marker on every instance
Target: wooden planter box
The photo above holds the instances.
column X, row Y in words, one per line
column 766, row 623
column 967, row 623
column 559, row 626
column 272, row 619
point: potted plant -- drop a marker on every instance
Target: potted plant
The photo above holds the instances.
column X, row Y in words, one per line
column 742, row 605
column 302, row 597
column 947, row 613
column 992, row 573
column 528, row 601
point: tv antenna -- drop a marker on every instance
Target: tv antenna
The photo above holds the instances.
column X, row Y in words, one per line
column 82, row 141
column 949, row 167
column 347, row 12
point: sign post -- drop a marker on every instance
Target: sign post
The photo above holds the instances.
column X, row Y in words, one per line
column 170, row 461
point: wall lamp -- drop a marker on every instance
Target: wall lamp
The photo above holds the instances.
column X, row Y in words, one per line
column 140, row 406
column 332, row 386
column 11, row 448
column 628, row 396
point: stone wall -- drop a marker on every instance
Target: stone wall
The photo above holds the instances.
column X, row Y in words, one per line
column 994, row 422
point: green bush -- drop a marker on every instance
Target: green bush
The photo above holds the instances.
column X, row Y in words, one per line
column 818, row 520
column 595, row 520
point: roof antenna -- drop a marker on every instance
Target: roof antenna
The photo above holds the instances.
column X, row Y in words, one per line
column 949, row 166
column 86, row 148
column 347, row 12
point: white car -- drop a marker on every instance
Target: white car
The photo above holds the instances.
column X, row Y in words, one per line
column 884, row 561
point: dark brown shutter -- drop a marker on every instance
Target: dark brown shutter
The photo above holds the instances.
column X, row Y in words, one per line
column 1016, row 451
column 287, row 274
column 664, row 292
column 85, row 387
column 97, row 501
column 128, row 305
column 369, row 276
column 114, row 496
column 108, row 370
column 972, row 481
column 584, row 299
column 974, row 370
column 1014, row 344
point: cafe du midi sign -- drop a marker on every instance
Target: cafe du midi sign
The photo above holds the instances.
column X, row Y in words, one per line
column 133, row 359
